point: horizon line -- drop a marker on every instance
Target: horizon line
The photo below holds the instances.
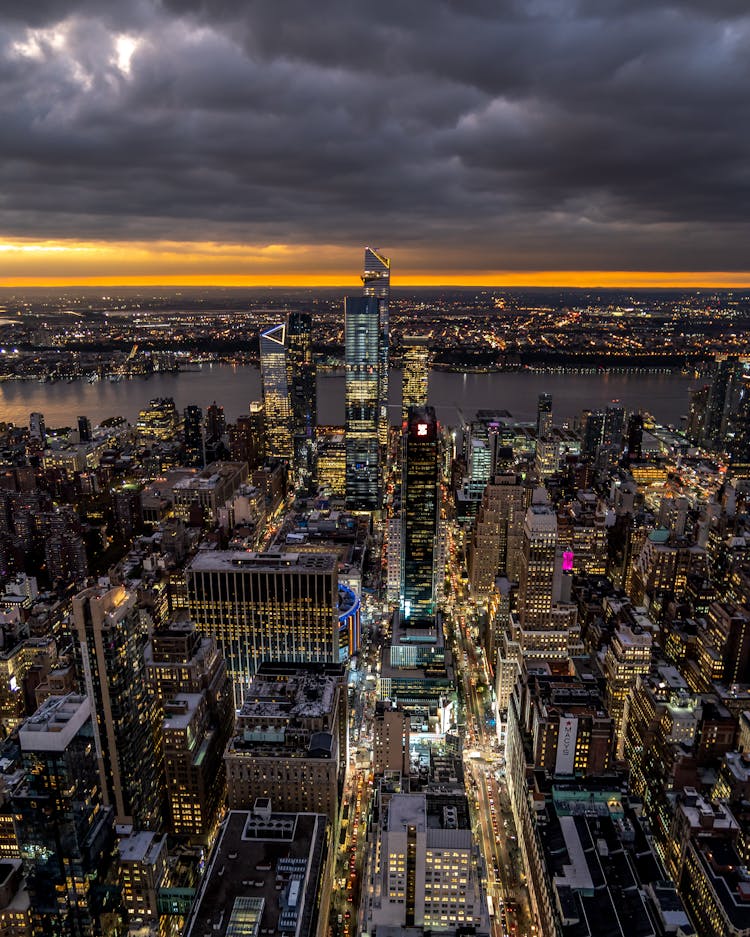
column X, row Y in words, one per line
column 532, row 279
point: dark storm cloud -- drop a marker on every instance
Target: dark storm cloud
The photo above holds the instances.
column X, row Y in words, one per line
column 525, row 133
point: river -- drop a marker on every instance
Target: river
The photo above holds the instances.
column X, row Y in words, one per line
column 663, row 395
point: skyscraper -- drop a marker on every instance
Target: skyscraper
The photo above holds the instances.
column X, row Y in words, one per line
column 635, row 436
column 302, row 388
column 547, row 621
column 537, row 573
column 65, row 832
column 216, row 422
column 495, row 544
column 377, row 282
column 188, row 676
column 273, row 371
column 416, row 365
column 194, row 450
column 419, row 513
column 737, row 432
column 544, row 416
column 362, row 338
column 37, row 428
column 110, row 639
column 84, row 429
column 719, row 397
column 266, row 606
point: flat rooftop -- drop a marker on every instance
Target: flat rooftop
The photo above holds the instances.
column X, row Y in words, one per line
column 263, row 876
column 298, row 695
column 241, row 561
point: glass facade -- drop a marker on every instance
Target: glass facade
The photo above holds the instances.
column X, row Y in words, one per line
column 302, row 388
column 419, row 513
column 276, row 400
column 377, row 282
column 362, row 337
column 416, row 370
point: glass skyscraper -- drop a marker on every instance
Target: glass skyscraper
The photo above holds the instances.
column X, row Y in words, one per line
column 416, row 369
column 362, row 329
column 420, row 508
column 274, row 377
column 302, row 388
column 377, row 282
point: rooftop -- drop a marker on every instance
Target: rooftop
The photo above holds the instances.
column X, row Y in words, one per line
column 54, row 725
column 263, row 876
column 236, row 561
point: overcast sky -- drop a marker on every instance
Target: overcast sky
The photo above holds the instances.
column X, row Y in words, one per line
column 475, row 134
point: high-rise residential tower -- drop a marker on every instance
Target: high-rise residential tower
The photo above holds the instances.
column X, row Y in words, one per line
column 377, row 282
column 416, row 365
column 420, row 489
column 65, row 832
column 302, row 388
column 110, row 640
column 274, row 377
column 37, row 428
column 194, row 448
column 544, row 416
column 362, row 338
column 537, row 573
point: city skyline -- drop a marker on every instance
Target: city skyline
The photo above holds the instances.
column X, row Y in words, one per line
column 159, row 143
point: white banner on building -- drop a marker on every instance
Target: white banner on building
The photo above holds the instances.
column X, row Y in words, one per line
column 566, row 746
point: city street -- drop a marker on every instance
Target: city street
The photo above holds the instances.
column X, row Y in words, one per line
column 493, row 820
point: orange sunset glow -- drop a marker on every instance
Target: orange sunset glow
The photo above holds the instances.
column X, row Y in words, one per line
column 91, row 263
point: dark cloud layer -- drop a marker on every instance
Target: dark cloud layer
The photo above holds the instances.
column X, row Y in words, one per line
column 513, row 133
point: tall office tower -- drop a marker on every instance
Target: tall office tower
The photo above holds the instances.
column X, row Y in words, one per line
column 544, row 416
column 216, row 423
column 158, row 420
column 416, row 365
column 696, row 422
column 362, row 339
column 246, row 444
column 84, row 429
column 737, row 433
column 278, row 408
column 495, row 545
column 546, row 626
column 65, row 831
column 258, row 417
column 110, row 639
column 377, row 283
column 188, row 676
column 593, row 432
column 128, row 508
column 330, row 459
column 537, row 572
column 628, row 655
column 426, row 862
column 302, row 388
column 194, row 448
column 719, row 397
column 614, row 427
column 37, row 428
column 266, row 606
column 635, row 436
column 420, row 512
